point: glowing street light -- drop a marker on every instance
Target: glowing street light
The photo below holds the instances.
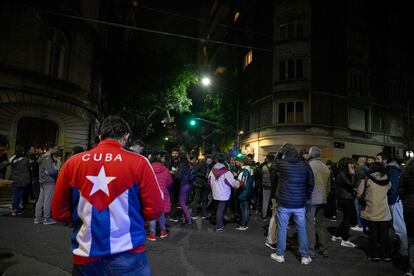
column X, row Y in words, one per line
column 166, row 139
column 205, row 81
column 193, row 122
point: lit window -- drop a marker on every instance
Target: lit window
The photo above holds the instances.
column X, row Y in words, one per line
column 221, row 70
column 291, row 112
column 236, row 15
column 248, row 58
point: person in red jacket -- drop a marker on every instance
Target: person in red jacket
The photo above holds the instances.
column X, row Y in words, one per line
column 165, row 181
column 107, row 193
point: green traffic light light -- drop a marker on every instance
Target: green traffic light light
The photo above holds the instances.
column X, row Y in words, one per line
column 239, row 155
column 193, row 122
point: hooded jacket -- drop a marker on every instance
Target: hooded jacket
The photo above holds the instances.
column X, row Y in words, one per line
column 245, row 176
column 296, row 180
column 20, row 171
column 47, row 170
column 393, row 172
column 377, row 208
column 165, row 181
column 221, row 181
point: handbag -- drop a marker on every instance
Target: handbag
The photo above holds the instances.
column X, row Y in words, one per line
column 362, row 201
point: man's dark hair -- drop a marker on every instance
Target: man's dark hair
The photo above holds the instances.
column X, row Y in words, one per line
column 114, row 127
column 175, row 149
column 385, row 156
column 377, row 167
column 155, row 157
column 138, row 142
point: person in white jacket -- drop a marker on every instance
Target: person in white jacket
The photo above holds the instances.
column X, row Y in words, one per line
column 221, row 181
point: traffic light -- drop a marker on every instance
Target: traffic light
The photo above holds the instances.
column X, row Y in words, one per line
column 239, row 155
column 193, row 123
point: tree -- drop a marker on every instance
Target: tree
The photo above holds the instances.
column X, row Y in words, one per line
column 142, row 106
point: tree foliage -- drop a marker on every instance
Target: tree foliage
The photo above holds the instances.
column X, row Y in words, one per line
column 157, row 100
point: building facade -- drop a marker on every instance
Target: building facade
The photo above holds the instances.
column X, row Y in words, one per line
column 341, row 81
column 49, row 78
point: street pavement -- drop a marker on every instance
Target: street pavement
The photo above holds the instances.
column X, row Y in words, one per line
column 193, row 251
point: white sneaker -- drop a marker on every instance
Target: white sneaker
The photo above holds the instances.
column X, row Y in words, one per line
column 242, row 228
column 335, row 238
column 306, row 260
column 348, row 244
column 357, row 228
column 277, row 258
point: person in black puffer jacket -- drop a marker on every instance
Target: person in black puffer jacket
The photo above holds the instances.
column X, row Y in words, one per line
column 201, row 171
column 295, row 187
column 406, row 191
column 345, row 193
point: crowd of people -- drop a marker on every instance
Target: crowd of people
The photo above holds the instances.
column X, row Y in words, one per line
column 290, row 189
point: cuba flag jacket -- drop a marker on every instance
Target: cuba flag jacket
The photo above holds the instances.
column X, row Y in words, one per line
column 107, row 193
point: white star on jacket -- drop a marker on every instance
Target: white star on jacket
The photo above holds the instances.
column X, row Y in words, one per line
column 100, row 182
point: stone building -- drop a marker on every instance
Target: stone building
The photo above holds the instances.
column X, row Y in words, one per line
column 341, row 81
column 49, row 73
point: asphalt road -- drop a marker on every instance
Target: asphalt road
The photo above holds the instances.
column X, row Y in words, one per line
column 45, row 250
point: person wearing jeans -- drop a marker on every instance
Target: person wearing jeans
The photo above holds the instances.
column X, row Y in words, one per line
column 296, row 183
column 127, row 264
column 20, row 175
column 244, row 193
column 152, row 227
column 165, row 181
column 283, row 216
column 406, row 191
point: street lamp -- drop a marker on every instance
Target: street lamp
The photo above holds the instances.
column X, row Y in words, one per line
column 166, row 138
column 205, row 81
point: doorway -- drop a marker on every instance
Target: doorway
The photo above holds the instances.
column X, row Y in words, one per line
column 36, row 132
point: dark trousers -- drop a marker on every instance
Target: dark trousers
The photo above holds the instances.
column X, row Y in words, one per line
column 411, row 253
column 17, row 196
column 348, row 208
column 35, row 188
column 244, row 212
column 174, row 195
column 200, row 196
column 331, row 206
column 221, row 205
column 378, row 239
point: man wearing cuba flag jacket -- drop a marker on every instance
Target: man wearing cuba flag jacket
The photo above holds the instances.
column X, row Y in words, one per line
column 108, row 193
